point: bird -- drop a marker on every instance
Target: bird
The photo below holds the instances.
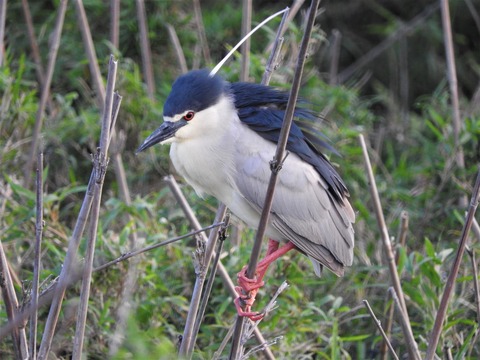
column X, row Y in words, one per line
column 222, row 137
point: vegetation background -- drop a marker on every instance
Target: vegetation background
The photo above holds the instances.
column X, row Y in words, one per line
column 376, row 67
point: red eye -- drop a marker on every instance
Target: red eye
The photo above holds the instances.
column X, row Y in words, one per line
column 189, row 115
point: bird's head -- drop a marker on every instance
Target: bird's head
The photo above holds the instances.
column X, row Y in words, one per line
column 195, row 106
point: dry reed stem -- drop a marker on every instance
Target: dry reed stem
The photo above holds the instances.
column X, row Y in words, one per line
column 190, row 215
column 90, row 50
column 473, row 262
column 178, row 48
column 453, row 84
column 334, row 57
column 145, row 49
column 245, row 49
column 387, row 245
column 52, row 57
column 114, row 22
column 35, row 49
column 442, row 309
column 3, row 17
column 197, row 10
column 236, row 349
column 11, row 307
column 202, row 257
column 36, row 260
column 378, row 324
column 100, row 165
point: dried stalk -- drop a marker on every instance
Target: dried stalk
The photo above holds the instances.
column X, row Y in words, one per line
column 90, row 50
column 452, row 81
column 52, row 57
column 190, row 215
column 100, row 165
column 473, row 261
column 237, row 347
column 378, row 324
column 178, row 49
column 442, row 309
column 203, row 256
column 145, row 49
column 70, row 258
column 11, row 307
column 35, row 50
column 197, row 10
column 387, row 245
column 245, row 49
column 114, row 22
column 3, row 17
column 36, row 259
column 405, row 324
column 334, row 57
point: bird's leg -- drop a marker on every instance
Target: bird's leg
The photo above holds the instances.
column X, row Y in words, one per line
column 248, row 288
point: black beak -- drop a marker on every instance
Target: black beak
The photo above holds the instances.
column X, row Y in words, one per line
column 164, row 132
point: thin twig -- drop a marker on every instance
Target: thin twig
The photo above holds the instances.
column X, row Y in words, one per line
column 70, row 258
column 3, row 17
column 378, row 324
column 452, row 81
column 203, row 256
column 145, row 49
column 197, row 10
column 473, row 261
column 11, row 307
column 228, row 283
column 90, row 50
column 114, row 22
column 36, row 259
column 35, row 50
column 236, row 349
column 245, row 49
column 100, row 164
column 178, row 48
column 52, row 57
column 222, row 236
column 405, row 324
column 442, row 309
column 387, row 246
column 334, row 56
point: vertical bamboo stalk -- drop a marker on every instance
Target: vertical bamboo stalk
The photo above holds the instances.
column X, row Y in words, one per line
column 442, row 309
column 387, row 246
column 52, row 57
column 11, row 306
column 237, row 347
column 201, row 31
column 36, row 260
column 114, row 22
column 145, row 49
column 245, row 49
column 3, row 17
column 100, row 165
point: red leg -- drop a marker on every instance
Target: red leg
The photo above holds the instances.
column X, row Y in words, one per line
column 248, row 288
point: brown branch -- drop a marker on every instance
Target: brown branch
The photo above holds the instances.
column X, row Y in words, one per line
column 378, row 324
column 36, row 260
column 236, row 348
column 387, row 246
column 178, row 48
column 145, row 49
column 245, row 49
column 197, row 10
column 3, row 17
column 52, row 57
column 100, row 164
column 442, row 309
column 114, row 22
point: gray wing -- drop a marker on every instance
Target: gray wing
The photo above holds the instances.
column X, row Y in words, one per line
column 303, row 211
